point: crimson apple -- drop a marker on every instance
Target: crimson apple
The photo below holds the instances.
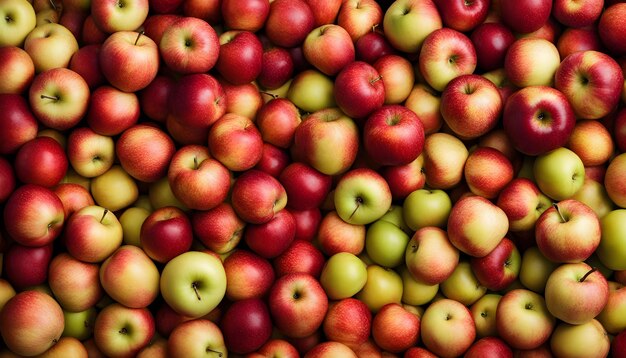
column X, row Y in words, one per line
column 189, row 45
column 359, row 89
column 41, row 161
column 306, row 187
column 19, row 124
column 246, row 325
column 248, row 275
column 166, row 233
column 271, row 238
column 197, row 100
column 289, row 22
column 240, row 56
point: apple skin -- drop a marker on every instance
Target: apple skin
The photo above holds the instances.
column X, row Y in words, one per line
column 122, row 331
column 276, row 69
column 29, row 209
column 219, row 229
column 395, row 329
column 236, row 142
column 588, row 339
column 611, row 250
column 335, row 235
column 400, row 19
column 273, row 160
column 522, row 60
column 489, row 347
column 25, row 266
column 31, row 322
column 328, row 48
column 189, row 45
column 240, row 57
column 256, row 197
column 361, row 196
column 306, row 187
column 89, row 153
column 462, row 285
column 572, row 240
column 328, row 140
column 22, row 21
column 297, row 304
column 359, row 89
column 310, row 90
column 92, row 234
column 359, row 17
column 491, row 41
column 559, row 173
column 111, row 111
column 592, row 142
column 405, row 179
column 592, row 81
column 271, row 238
column 19, row 124
column 74, row 283
column 130, row 277
column 609, row 29
column 453, row 315
column 445, row 55
column 277, row 121
column 393, row 135
column 372, row 46
column 500, row 267
column 476, row 226
column 348, row 321
column 7, row 179
column 153, row 98
column 330, row 349
column 129, row 61
column 41, row 161
column 194, row 337
column 480, row 169
column 612, row 181
column 526, row 309
column 17, row 70
column 248, row 275
column 430, row 257
column 197, row 100
column 444, row 160
column 246, row 325
column 110, row 17
column 526, row 113
column 249, row 16
column 517, row 15
column 471, row 105
column 575, row 293
column 611, row 315
column 484, row 314
column 578, row 39
column 324, row 12
column 462, row 17
column 49, row 38
column 523, row 203
column 289, row 30
column 382, row 286
column 145, row 152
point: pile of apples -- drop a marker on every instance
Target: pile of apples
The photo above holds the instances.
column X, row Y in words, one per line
column 315, row 178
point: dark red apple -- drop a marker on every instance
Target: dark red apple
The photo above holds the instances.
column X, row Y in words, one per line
column 491, row 40
column 41, row 161
column 306, row 187
column 240, row 58
column 27, row 266
column 246, row 326
column 166, row 233
column 307, row 222
column 300, row 256
column 359, row 89
column 272, row 238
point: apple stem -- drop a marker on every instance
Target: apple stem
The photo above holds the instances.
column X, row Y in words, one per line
column 273, row 95
column 219, row 354
column 582, row 279
column 195, row 289
column 560, row 213
column 374, row 27
column 103, row 215
column 359, row 201
column 195, row 163
column 54, row 98
column 54, row 6
column 380, row 77
column 138, row 36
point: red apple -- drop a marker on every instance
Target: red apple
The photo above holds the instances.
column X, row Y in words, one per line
column 611, row 29
column 86, row 62
column 247, row 15
column 271, row 238
column 19, row 124
column 240, row 56
column 248, row 275
column 499, row 268
column 516, row 15
column 329, row 48
column 395, row 329
column 307, row 223
column 289, row 22
column 306, row 187
column 236, row 142
column 348, row 321
column 487, row 171
column 276, row 69
column 41, row 161
column 358, row 17
column 197, row 100
column 491, row 41
column 189, row 45
column 359, row 89
column 16, row 70
column 166, row 233
column 145, row 152
column 25, row 266
column 300, row 256
column 74, row 283
column 112, row 111
column 277, row 121
column 219, row 229
column 256, row 197
column 153, row 98
column 372, row 46
column 273, row 160
column 578, row 39
column 463, row 16
column 7, row 179
column 246, row 325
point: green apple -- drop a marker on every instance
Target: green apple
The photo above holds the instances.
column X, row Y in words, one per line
column 613, row 316
column 462, row 285
column 50, row 46
column 385, row 243
column 120, row 331
column 114, row 189
column 560, row 173
column 79, row 324
column 362, row 196
column 131, row 220
column 612, row 248
column 594, row 195
column 383, row 286
column 343, row 275
column 416, row 292
column 584, row 340
column 408, row 22
column 19, row 19
column 395, row 215
column 161, row 195
column 312, row 91
column 484, row 314
column 193, row 283
column 6, row 291
column 425, row 207
column 535, row 269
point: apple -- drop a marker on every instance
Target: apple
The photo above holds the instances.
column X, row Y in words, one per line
column 612, row 180
column 197, row 100
column 538, row 119
column 256, row 197
column 328, row 140
column 19, row 124
column 219, row 229
column 424, row 207
column 74, row 283
column 153, row 98
column 462, row 285
column 569, row 231
column 276, row 69
column 442, row 317
column 17, row 70
column 531, row 62
column 491, row 41
column 199, row 336
column 559, row 173
column 416, row 292
column 444, row 160
column 297, row 304
column 248, row 275
column 618, row 344
column 400, row 21
column 277, row 121
column 395, row 329
column 189, row 45
column 47, row 39
column 514, row 15
column 300, row 256
column 523, row 203
column 244, row 99
column 193, row 283
column 306, row 187
column 578, row 39
column 329, row 48
column 240, row 56
column 289, row 22
column 249, row 16
column 611, row 315
column 155, row 25
column 471, row 105
column 476, row 226
column 31, row 322
column 592, row 142
column 111, row 16
column 335, row 235
column 111, row 111
column 588, row 339
column 114, row 189
column 611, row 251
column 123, row 331
column 592, row 81
column 359, row 17
column 33, row 215
column 343, row 275
column 445, row 55
column 500, row 267
column 594, row 195
column 7, row 179
column 273, row 160
column 479, row 171
column 41, row 161
column 489, row 346
column 271, row 238
column 129, row 61
column 362, row 196
column 609, row 29
column 246, row 325
column 91, row 34
column 484, row 314
column 310, row 90
column 359, row 89
column 575, row 293
column 330, row 349
column 25, row 266
column 405, row 179
column 235, row 141
column 348, row 321
column 92, row 234
column 144, row 152
column 373, row 45
column 430, row 257
column 90, row 153
column 382, row 286
column 523, row 320
column 386, row 243
column 20, row 20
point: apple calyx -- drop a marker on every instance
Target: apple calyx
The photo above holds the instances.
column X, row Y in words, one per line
column 358, row 202
column 563, row 219
column 194, row 285
column 219, row 354
column 103, row 215
column 582, row 279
